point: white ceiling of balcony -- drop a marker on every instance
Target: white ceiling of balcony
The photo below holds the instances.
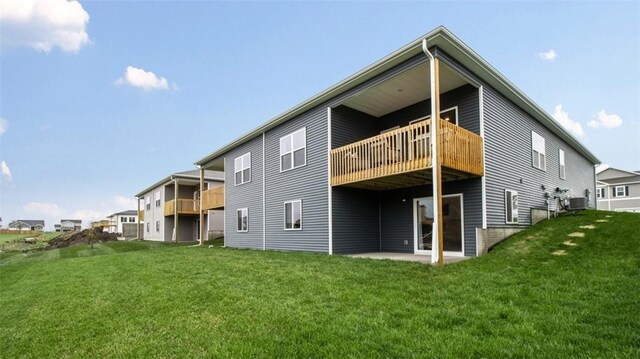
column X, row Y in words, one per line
column 403, row 90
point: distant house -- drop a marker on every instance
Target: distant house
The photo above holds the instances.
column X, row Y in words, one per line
column 27, row 225
column 123, row 223
column 171, row 209
column 354, row 169
column 67, row 225
column 618, row 190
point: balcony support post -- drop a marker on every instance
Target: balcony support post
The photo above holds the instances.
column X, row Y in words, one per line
column 437, row 238
column 175, row 210
column 201, row 207
column 138, row 219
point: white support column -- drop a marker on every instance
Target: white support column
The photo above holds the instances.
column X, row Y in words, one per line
column 201, row 207
column 175, row 210
column 329, row 191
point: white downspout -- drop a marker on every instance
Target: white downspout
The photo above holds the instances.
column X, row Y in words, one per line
column 434, row 144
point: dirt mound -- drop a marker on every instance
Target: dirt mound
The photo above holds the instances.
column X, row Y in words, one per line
column 83, row 237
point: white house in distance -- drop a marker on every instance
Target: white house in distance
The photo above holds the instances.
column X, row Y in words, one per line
column 123, row 223
column 27, row 225
column 618, row 190
column 171, row 207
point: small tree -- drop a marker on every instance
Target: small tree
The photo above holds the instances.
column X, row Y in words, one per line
column 91, row 235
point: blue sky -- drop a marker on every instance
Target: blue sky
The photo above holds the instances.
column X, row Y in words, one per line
column 100, row 99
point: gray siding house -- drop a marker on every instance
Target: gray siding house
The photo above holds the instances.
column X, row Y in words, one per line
column 172, row 209
column 618, row 190
column 353, row 169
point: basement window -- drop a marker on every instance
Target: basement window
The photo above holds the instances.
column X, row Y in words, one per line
column 243, row 220
column 511, row 206
column 293, row 215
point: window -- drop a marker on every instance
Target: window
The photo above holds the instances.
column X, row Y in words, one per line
column 538, row 151
column 599, row 192
column 157, row 198
column 620, row 191
column 511, row 206
column 293, row 215
column 148, row 200
column 132, row 219
column 242, row 169
column 450, row 115
column 243, row 220
column 157, row 226
column 561, row 161
column 293, row 150
column 148, row 227
column 123, row 219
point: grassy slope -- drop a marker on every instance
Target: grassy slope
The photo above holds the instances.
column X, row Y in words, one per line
column 521, row 300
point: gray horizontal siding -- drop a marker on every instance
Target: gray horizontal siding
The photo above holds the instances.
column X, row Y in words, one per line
column 247, row 195
column 308, row 183
column 356, row 226
column 509, row 165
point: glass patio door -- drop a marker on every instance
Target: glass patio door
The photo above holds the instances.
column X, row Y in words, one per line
column 452, row 223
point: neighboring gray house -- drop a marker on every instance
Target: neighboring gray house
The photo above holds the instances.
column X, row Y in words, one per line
column 162, row 213
column 27, row 225
column 67, row 225
column 351, row 169
column 618, row 190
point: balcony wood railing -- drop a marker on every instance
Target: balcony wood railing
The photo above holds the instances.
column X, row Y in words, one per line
column 213, row 198
column 184, row 206
column 141, row 215
column 404, row 150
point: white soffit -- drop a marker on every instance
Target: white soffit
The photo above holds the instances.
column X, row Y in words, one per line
column 403, row 90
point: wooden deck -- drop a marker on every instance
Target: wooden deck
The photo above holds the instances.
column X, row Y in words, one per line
column 400, row 157
column 213, row 198
column 184, row 206
column 141, row 215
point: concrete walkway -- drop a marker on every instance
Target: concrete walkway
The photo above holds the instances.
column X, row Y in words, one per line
column 409, row 257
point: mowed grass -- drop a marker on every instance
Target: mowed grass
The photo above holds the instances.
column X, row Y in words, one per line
column 14, row 242
column 155, row 300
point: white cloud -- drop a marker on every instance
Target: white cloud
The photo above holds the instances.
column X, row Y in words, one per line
column 125, row 203
column 605, row 120
column 147, row 80
column 43, row 209
column 44, row 24
column 548, row 55
column 88, row 215
column 6, row 172
column 563, row 118
column 4, row 125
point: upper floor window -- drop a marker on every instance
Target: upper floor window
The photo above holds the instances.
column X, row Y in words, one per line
column 621, row 191
column 293, row 150
column 293, row 215
column 157, row 198
column 243, row 220
column 561, row 162
column 242, row 169
column 538, row 151
column 148, row 200
column 511, row 206
column 599, row 192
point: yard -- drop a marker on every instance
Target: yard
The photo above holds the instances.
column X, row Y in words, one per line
column 542, row 293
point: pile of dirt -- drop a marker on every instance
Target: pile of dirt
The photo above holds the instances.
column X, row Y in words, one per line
column 96, row 235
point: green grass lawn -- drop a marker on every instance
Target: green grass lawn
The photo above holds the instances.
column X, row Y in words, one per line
column 13, row 242
column 139, row 299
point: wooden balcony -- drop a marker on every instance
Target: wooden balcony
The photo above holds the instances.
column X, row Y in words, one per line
column 141, row 215
column 213, row 198
column 184, row 206
column 398, row 158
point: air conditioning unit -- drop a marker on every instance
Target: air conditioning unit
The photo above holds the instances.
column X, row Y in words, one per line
column 577, row 203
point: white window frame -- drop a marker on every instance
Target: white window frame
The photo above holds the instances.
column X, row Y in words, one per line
column 245, row 214
column 241, row 164
column 617, row 191
column 561, row 162
column 293, row 149
column 600, row 192
column 158, row 198
column 148, row 227
column 123, row 219
column 132, row 219
column 157, row 226
column 538, row 151
column 299, row 202
column 508, row 199
column 441, row 112
column 148, row 202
